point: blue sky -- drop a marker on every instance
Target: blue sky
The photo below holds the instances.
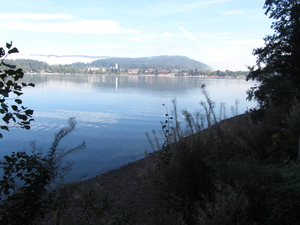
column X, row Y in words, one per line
column 220, row 33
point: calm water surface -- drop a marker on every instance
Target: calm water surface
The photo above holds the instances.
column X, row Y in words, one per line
column 112, row 113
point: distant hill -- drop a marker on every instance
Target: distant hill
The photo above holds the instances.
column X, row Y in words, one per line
column 163, row 62
column 154, row 62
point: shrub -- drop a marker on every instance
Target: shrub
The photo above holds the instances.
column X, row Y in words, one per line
column 274, row 194
column 252, row 159
column 28, row 177
column 228, row 206
column 77, row 203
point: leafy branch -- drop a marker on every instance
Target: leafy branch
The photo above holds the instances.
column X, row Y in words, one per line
column 14, row 114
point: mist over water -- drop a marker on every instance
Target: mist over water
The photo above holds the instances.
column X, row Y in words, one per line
column 112, row 113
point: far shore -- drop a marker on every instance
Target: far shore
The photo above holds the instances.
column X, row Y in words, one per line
column 148, row 75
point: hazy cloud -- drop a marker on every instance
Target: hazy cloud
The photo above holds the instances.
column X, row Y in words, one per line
column 244, row 42
column 84, row 26
column 229, row 13
column 150, row 37
column 35, row 16
column 188, row 34
column 166, row 34
column 106, row 46
column 153, row 47
column 195, row 5
column 214, row 37
column 136, row 39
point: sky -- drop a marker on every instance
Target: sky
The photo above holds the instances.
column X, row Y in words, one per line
column 219, row 33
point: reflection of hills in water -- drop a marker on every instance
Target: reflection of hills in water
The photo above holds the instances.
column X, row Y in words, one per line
column 115, row 82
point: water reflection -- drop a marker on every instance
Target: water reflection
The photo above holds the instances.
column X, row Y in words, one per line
column 113, row 113
column 83, row 116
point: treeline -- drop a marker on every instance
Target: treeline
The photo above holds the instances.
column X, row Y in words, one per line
column 35, row 66
column 196, row 72
column 169, row 65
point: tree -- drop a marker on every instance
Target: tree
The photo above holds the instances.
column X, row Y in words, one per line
column 278, row 62
column 14, row 114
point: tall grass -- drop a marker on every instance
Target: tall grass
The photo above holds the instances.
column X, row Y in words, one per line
column 213, row 170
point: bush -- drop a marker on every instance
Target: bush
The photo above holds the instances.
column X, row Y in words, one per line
column 274, row 194
column 228, row 206
column 28, row 177
column 253, row 160
column 77, row 203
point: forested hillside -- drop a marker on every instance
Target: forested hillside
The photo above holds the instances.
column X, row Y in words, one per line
column 156, row 62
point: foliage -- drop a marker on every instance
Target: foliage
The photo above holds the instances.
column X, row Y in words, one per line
column 235, row 172
column 274, row 194
column 278, row 62
column 229, row 205
column 77, row 203
column 10, row 90
column 27, row 178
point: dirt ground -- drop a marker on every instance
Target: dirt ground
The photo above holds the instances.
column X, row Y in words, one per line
column 128, row 189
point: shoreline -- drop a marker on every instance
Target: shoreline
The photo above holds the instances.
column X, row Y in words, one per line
column 146, row 75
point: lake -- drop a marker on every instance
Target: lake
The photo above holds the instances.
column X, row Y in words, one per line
column 112, row 113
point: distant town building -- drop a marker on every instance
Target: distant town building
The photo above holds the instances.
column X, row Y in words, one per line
column 132, row 71
column 94, row 68
column 149, row 70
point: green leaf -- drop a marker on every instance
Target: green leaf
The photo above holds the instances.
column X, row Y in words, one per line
column 18, row 93
column 19, row 101
column 9, row 83
column 7, row 117
column 31, row 84
column 2, row 52
column 14, row 107
column 7, row 158
column 3, row 76
column 9, row 45
column 13, row 50
column 21, row 117
column 4, row 128
column 19, row 154
column 9, row 66
column 27, row 127
column 4, row 107
column 29, row 112
column 20, row 71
